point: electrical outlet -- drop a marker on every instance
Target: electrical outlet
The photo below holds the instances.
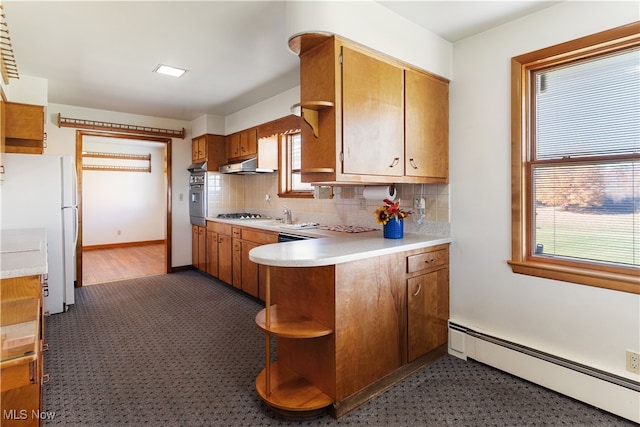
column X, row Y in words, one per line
column 118, row 232
column 419, row 203
column 633, row 362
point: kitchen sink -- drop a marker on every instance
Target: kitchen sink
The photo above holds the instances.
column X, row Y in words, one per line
column 300, row 226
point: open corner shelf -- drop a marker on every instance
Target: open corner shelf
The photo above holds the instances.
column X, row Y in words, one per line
column 290, row 394
column 287, row 323
column 309, row 111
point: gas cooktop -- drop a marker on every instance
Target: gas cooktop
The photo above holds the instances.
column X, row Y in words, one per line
column 242, row 215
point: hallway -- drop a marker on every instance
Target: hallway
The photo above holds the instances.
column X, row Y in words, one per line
column 127, row 262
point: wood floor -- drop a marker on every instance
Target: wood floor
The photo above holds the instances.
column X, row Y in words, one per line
column 107, row 265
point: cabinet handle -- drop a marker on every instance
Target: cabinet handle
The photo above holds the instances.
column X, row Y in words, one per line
column 415, row 294
column 395, row 162
column 430, row 260
column 45, row 378
column 33, row 372
column 1, row 169
column 413, row 163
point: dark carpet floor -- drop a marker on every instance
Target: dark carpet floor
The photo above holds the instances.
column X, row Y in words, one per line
column 184, row 350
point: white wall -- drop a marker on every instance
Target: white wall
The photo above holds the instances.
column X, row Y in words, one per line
column 265, row 111
column 375, row 26
column 27, row 90
column 123, row 206
column 585, row 324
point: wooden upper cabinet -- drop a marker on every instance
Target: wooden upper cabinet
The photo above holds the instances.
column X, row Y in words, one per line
column 372, row 116
column 198, row 149
column 209, row 148
column 426, row 126
column 242, row 145
column 24, row 128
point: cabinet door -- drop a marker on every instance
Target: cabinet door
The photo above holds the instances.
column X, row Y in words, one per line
column 249, row 278
column 428, row 312
column 233, row 145
column 24, row 121
column 237, row 264
column 24, row 128
column 372, row 116
column 225, row 258
column 249, row 142
column 212, row 253
column 427, row 126
column 198, row 149
column 199, row 247
column 194, row 245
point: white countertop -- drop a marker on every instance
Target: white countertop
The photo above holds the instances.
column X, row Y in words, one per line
column 23, row 252
column 339, row 249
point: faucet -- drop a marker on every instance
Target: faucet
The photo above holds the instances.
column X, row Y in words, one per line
column 287, row 215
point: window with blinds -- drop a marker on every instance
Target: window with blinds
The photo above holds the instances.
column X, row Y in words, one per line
column 584, row 160
column 295, row 144
column 290, row 176
column 575, row 161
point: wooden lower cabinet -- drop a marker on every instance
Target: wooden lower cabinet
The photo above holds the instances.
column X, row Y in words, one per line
column 347, row 332
column 246, row 272
column 236, row 280
column 249, row 279
column 199, row 247
column 228, row 255
column 21, row 376
column 219, row 258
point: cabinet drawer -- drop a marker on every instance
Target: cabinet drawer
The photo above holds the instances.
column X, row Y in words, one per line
column 260, row 237
column 427, row 260
column 218, row 227
column 19, row 375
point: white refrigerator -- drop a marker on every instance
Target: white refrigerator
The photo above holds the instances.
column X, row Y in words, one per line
column 40, row 191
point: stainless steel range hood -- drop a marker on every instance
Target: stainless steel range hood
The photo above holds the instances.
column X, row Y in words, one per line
column 197, row 167
column 245, row 167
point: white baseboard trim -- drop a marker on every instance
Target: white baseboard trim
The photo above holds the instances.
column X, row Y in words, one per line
column 612, row 393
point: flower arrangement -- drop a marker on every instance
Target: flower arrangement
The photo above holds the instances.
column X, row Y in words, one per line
column 390, row 210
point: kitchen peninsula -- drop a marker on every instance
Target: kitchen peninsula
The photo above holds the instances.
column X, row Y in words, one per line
column 352, row 315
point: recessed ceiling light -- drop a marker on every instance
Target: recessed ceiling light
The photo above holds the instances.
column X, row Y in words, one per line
column 169, row 71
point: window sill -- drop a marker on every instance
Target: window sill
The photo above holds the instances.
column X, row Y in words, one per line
column 584, row 276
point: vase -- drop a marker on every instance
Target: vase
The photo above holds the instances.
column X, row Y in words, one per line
column 394, row 229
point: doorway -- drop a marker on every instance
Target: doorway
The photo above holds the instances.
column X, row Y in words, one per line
column 124, row 206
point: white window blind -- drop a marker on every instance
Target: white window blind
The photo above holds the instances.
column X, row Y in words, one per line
column 584, row 161
column 296, row 164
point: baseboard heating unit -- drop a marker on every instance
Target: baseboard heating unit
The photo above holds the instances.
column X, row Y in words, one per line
column 604, row 390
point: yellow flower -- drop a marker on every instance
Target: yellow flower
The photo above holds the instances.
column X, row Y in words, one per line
column 388, row 211
column 381, row 216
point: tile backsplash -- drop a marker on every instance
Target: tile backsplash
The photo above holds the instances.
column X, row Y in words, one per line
column 259, row 194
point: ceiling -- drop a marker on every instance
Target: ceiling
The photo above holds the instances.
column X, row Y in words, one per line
column 101, row 55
